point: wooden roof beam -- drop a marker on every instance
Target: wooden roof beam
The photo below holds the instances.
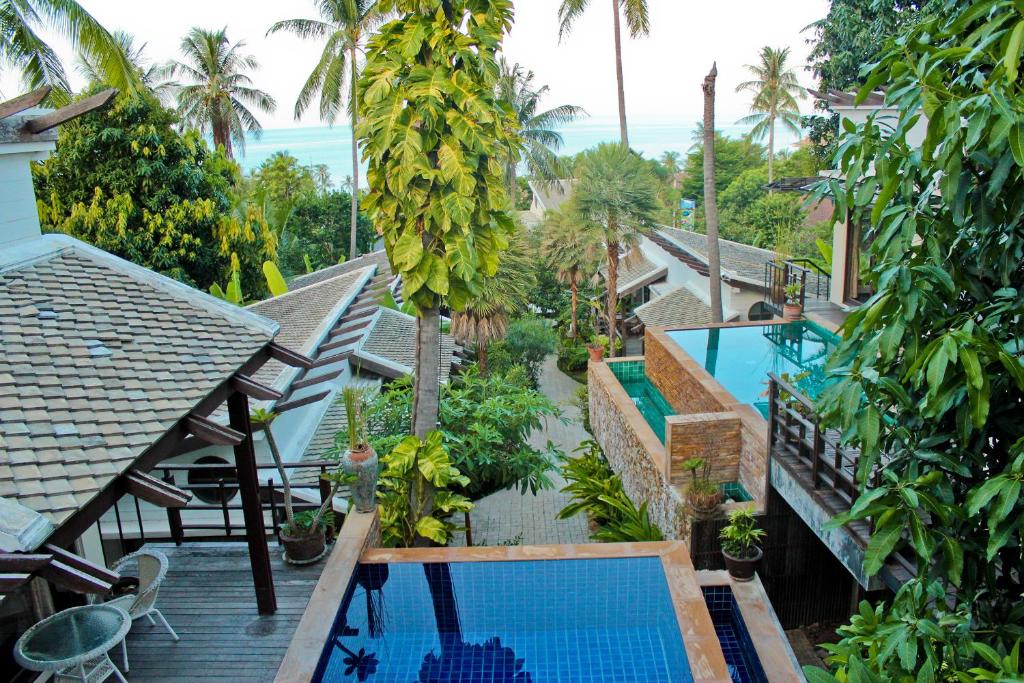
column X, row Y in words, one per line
column 23, row 102
column 299, row 402
column 254, row 390
column 17, row 563
column 289, row 357
column 155, row 491
column 313, row 381
column 211, row 432
column 76, row 573
column 12, row 582
column 70, row 112
column 331, row 360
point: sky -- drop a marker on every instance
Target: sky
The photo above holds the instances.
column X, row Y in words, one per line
column 663, row 72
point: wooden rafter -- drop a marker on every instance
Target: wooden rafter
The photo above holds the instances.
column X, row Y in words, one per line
column 299, row 402
column 155, row 491
column 211, row 432
column 16, row 563
column 289, row 357
column 12, row 582
column 331, row 360
column 70, row 112
column 318, row 379
column 253, row 389
column 23, row 102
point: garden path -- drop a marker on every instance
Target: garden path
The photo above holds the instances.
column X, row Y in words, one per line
column 507, row 517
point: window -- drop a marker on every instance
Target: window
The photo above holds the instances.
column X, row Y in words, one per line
column 204, row 482
column 759, row 311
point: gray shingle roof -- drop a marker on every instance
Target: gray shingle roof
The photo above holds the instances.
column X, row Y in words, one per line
column 392, row 339
column 636, row 272
column 552, row 195
column 374, row 258
column 305, row 314
column 677, row 308
column 99, row 359
column 738, row 260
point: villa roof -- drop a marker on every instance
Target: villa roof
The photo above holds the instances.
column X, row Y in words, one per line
column 377, row 258
column 305, row 314
column 389, row 349
column 801, row 184
column 552, row 195
column 840, row 99
column 676, row 308
column 739, row 261
column 637, row 271
column 101, row 358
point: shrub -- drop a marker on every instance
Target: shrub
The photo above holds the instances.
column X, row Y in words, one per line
column 572, row 356
column 529, row 341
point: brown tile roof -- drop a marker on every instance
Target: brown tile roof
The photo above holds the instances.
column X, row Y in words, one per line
column 99, row 359
column 675, row 309
column 389, row 348
column 375, row 258
column 306, row 313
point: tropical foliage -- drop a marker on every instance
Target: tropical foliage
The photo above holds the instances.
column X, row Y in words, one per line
column 216, row 95
column 96, row 70
column 616, row 192
column 406, row 513
column 930, row 377
column 486, row 423
column 573, row 249
column 22, row 23
column 126, row 181
column 527, row 343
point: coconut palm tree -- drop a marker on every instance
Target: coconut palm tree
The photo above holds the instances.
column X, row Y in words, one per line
column 573, row 249
column 776, row 90
column 639, row 24
column 344, row 25
column 711, row 196
column 217, row 99
column 536, row 128
column 502, row 296
column 616, row 191
column 152, row 76
column 22, row 46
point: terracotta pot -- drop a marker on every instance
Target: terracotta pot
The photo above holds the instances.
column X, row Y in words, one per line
column 742, row 569
column 704, row 505
column 792, row 312
column 361, row 453
column 596, row 353
column 305, row 548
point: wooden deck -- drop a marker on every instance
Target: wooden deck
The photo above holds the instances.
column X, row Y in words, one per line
column 208, row 599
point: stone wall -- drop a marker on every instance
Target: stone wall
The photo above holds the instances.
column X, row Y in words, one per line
column 634, row 451
column 714, row 437
column 668, row 372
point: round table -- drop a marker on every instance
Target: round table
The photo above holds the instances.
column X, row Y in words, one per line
column 74, row 643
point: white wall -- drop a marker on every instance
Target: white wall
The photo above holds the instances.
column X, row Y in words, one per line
column 19, row 219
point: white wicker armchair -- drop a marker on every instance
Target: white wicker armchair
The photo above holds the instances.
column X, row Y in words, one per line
column 152, row 570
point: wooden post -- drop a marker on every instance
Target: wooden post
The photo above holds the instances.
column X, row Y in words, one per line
column 252, row 509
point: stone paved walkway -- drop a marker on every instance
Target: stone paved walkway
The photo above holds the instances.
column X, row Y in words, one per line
column 507, row 517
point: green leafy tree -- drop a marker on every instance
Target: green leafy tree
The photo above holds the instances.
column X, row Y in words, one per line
column 930, row 377
column 96, row 70
column 528, row 342
column 217, row 96
column 637, row 21
column 615, row 191
column 22, row 46
column 285, row 180
column 343, row 26
column 774, row 221
column 311, row 239
column 536, row 128
column 732, row 157
column 775, row 89
column 573, row 249
column 151, row 195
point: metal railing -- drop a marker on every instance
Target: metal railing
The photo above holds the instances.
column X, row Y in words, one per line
column 814, row 281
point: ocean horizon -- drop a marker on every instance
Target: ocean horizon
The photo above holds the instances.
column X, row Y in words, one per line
column 331, row 146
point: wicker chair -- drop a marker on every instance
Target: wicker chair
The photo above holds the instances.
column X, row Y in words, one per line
column 152, row 570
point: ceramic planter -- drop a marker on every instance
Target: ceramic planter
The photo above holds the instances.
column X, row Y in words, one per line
column 792, row 312
column 305, row 548
column 363, row 463
column 742, row 569
column 703, row 505
column 596, row 353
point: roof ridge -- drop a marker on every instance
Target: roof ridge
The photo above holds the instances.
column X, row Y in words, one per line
column 304, row 288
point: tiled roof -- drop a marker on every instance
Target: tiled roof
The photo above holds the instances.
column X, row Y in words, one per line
column 738, row 260
column 552, row 195
column 392, row 339
column 99, row 359
column 636, row 272
column 304, row 312
column 677, row 308
column 332, row 422
column 374, row 258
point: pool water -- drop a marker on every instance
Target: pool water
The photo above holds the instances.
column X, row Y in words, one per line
column 734, row 492
column 738, row 648
column 648, row 400
column 559, row 621
column 740, row 358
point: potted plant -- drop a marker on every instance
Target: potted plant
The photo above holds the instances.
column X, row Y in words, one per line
column 740, row 544
column 792, row 309
column 359, row 459
column 597, row 348
column 303, row 534
column 702, row 495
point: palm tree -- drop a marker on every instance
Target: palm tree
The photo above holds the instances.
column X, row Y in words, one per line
column 537, row 129
column 711, row 197
column 217, row 100
column 775, row 89
column 502, row 296
column 639, row 24
column 616, row 191
column 22, row 47
column 343, row 25
column 151, row 76
column 572, row 248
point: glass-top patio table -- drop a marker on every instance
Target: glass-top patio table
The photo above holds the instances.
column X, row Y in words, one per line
column 74, row 643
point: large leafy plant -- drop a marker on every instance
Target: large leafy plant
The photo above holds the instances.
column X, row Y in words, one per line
column 415, row 464
column 930, row 379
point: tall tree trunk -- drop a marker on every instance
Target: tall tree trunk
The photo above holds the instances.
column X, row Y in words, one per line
column 575, row 288
column 710, row 196
column 425, row 401
column 771, row 150
column 352, row 249
column 613, row 294
column 618, row 74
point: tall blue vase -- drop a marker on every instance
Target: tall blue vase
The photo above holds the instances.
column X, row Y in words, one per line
column 364, row 465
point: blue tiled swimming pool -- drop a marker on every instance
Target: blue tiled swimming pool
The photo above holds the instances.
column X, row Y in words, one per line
column 740, row 656
column 648, row 400
column 571, row 621
column 740, row 358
